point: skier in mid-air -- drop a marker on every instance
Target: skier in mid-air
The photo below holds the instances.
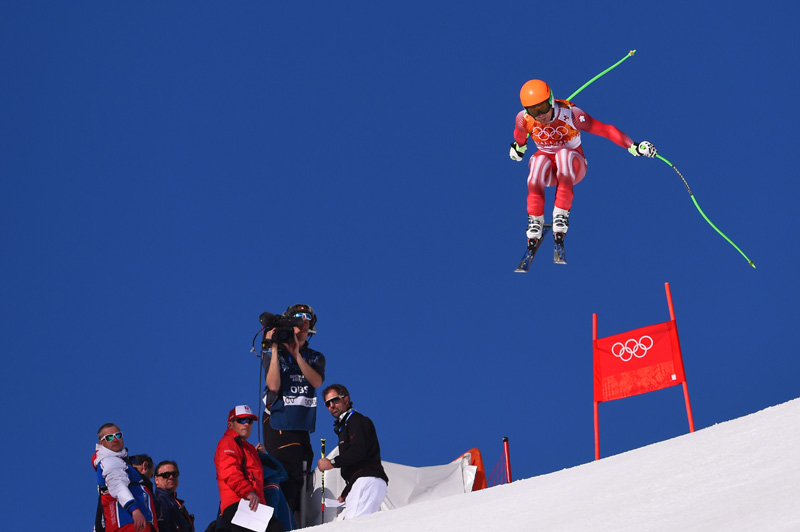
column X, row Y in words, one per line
column 555, row 127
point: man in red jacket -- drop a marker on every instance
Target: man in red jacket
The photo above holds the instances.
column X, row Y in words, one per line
column 240, row 474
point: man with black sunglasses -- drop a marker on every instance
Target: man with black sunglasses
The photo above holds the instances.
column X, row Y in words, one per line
column 171, row 511
column 294, row 371
column 555, row 127
column 359, row 455
column 127, row 504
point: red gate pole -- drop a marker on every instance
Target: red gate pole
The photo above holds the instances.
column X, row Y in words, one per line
column 508, row 459
column 596, row 433
column 596, row 413
column 685, row 387
column 688, row 407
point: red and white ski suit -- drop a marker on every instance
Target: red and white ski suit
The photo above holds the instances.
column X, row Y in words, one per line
column 559, row 159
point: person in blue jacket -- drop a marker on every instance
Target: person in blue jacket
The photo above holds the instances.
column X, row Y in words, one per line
column 294, row 372
column 127, row 504
column 274, row 474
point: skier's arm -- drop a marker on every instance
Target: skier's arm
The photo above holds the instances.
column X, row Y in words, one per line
column 584, row 122
column 520, row 135
column 518, row 147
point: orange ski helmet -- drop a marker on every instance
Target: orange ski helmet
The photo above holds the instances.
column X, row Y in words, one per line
column 535, row 92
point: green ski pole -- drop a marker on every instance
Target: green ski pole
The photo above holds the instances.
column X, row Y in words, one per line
column 601, row 74
column 723, row 235
column 750, row 262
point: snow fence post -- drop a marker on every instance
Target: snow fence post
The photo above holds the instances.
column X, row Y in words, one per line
column 508, row 459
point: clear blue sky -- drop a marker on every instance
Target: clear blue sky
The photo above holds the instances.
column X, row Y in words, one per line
column 170, row 170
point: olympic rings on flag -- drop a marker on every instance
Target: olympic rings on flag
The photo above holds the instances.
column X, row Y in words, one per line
column 632, row 348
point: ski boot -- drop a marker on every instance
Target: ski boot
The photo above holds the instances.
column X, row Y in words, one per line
column 560, row 226
column 534, row 232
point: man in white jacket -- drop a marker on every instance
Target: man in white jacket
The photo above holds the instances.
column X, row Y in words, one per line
column 127, row 504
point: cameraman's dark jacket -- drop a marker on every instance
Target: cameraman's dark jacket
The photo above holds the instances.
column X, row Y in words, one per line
column 294, row 407
column 359, row 450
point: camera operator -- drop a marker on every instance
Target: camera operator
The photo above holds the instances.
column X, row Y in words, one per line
column 294, row 372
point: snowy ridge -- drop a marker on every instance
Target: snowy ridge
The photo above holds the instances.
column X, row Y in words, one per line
column 741, row 475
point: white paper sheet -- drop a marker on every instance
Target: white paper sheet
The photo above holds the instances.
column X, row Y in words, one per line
column 333, row 503
column 256, row 521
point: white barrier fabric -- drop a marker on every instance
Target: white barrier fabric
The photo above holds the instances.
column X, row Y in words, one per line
column 407, row 485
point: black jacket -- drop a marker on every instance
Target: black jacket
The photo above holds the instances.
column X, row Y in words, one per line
column 359, row 450
column 172, row 514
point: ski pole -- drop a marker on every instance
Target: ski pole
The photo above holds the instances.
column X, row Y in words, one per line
column 750, row 262
column 603, row 73
column 323, row 483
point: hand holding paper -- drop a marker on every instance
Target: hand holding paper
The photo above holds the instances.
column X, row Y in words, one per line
column 254, row 520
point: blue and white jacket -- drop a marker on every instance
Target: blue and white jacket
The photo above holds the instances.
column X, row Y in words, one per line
column 121, row 489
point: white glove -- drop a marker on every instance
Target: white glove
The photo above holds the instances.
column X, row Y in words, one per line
column 517, row 151
column 643, row 148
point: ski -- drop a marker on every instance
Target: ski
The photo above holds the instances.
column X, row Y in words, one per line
column 530, row 252
column 559, row 254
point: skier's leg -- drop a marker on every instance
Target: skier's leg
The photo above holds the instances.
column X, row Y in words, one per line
column 570, row 170
column 541, row 175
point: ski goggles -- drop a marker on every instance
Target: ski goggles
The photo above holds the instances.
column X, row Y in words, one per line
column 243, row 420
column 110, row 437
column 333, row 400
column 540, row 109
column 304, row 315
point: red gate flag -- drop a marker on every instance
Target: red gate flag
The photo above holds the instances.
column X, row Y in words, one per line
column 637, row 361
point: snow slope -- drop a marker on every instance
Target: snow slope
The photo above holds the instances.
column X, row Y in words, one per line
column 740, row 475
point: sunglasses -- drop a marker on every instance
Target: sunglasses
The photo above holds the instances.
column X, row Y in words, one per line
column 304, row 315
column 333, row 400
column 243, row 420
column 110, row 437
column 542, row 108
column 168, row 474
